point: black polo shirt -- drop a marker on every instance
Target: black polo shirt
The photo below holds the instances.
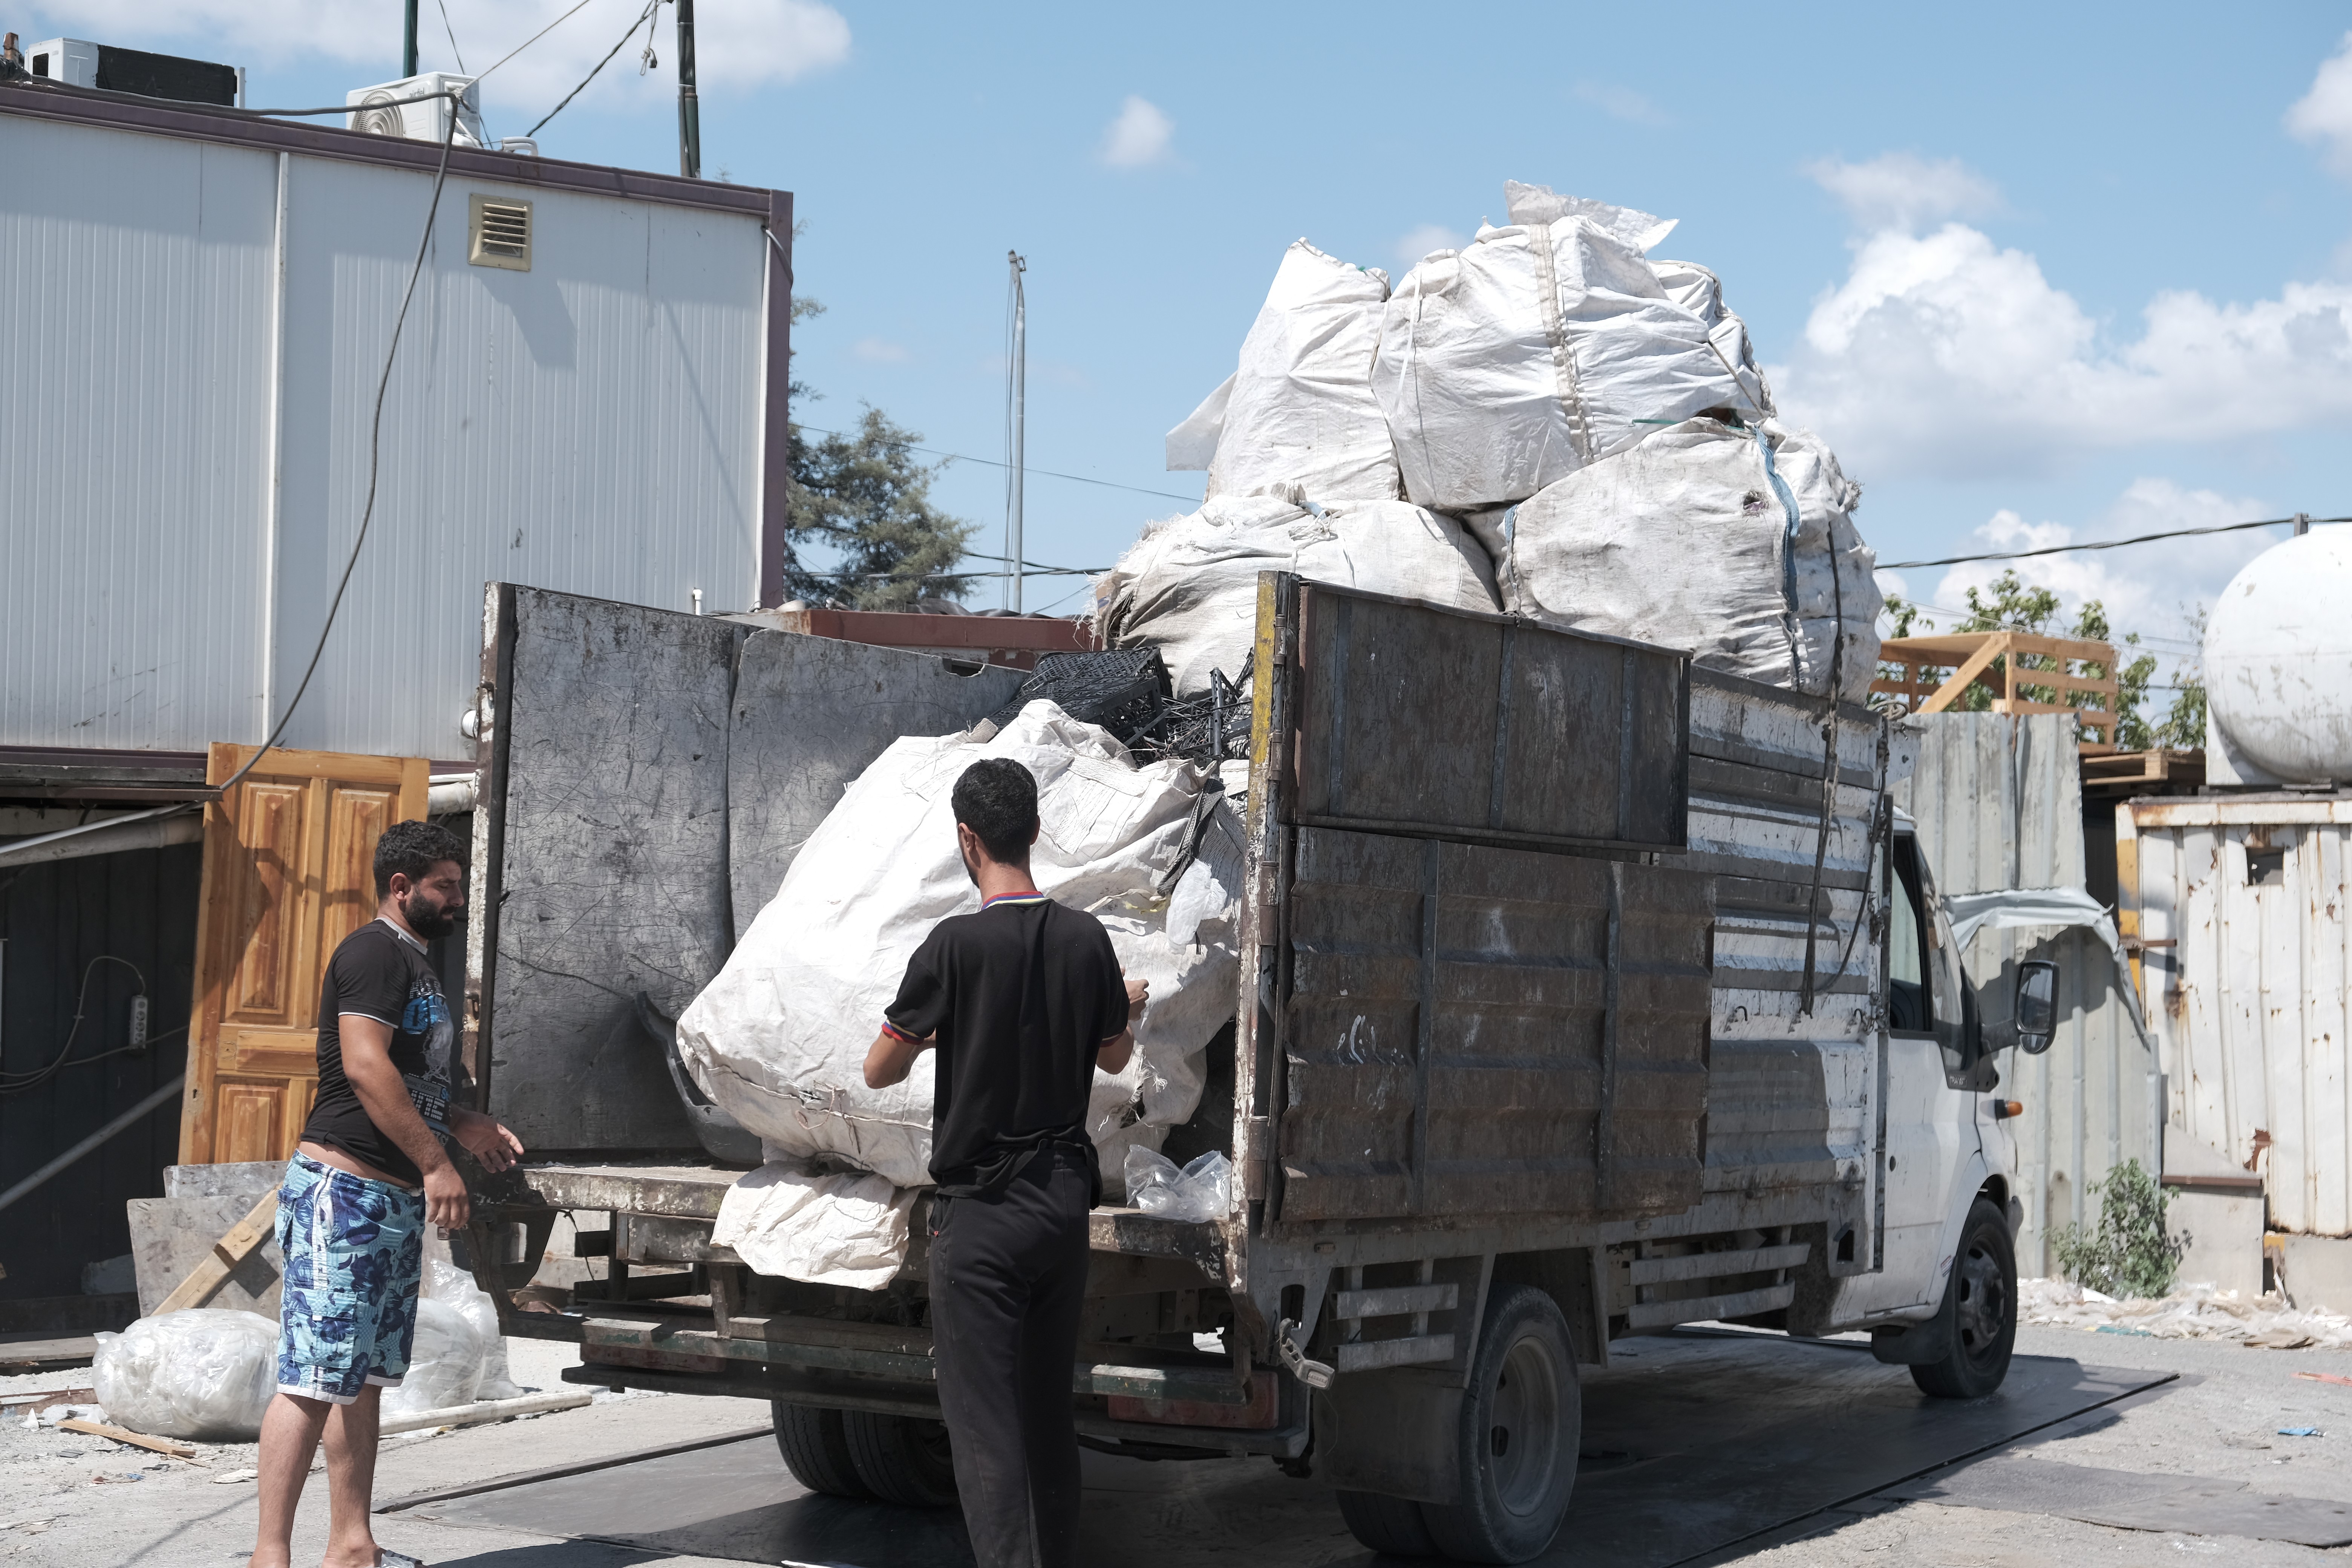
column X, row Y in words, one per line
column 1020, row 996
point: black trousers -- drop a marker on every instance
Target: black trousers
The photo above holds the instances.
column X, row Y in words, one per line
column 1008, row 1280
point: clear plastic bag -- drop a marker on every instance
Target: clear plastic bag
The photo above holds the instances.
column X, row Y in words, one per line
column 206, row 1372
column 1202, row 1190
column 446, row 1282
column 445, row 1362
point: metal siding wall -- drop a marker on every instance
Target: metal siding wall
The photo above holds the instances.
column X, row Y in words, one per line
column 2251, row 1004
column 590, row 425
column 1999, row 805
column 135, row 281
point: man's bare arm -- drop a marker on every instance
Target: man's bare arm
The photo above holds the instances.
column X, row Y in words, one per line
column 1115, row 1053
column 367, row 1063
column 891, row 1057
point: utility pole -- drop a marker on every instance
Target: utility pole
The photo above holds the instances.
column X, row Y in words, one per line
column 1017, row 375
column 408, row 39
column 689, row 108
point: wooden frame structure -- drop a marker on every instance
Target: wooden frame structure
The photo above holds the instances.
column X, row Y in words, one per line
column 1971, row 656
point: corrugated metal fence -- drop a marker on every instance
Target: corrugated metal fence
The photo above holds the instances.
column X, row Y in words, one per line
column 1999, row 804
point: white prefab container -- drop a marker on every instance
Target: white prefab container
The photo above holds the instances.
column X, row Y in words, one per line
column 198, row 308
column 2240, row 901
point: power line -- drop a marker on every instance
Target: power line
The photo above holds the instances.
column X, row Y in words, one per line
column 2101, row 543
column 651, row 7
column 990, row 462
column 453, row 35
column 535, row 39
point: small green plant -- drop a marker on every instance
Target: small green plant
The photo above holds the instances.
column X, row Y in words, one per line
column 2128, row 1253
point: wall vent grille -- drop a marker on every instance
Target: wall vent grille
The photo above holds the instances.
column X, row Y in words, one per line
column 500, row 231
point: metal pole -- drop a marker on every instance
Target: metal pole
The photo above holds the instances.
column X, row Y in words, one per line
column 408, row 39
column 136, row 1113
column 689, row 108
column 1020, row 374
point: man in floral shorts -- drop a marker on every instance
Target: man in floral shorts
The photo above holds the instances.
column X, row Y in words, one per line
column 368, row 1176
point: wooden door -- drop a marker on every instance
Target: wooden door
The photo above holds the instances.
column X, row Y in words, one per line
column 289, row 873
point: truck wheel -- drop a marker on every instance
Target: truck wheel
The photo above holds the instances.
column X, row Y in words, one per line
column 816, row 1451
column 1388, row 1524
column 1979, row 1311
column 901, row 1458
column 1521, row 1419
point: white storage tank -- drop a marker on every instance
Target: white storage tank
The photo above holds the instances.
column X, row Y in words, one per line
column 2278, row 667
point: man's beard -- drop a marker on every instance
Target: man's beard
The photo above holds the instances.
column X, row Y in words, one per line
column 429, row 920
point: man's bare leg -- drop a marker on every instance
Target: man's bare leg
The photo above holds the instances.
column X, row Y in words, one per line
column 351, row 1480
column 289, row 1437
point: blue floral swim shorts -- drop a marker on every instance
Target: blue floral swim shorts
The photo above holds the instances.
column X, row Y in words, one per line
column 354, row 1254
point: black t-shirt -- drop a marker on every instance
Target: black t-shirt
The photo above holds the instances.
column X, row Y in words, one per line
column 1020, row 995
column 381, row 972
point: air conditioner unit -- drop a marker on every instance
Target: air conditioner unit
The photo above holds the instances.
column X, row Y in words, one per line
column 378, row 111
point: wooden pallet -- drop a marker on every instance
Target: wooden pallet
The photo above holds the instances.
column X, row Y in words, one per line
column 1923, row 686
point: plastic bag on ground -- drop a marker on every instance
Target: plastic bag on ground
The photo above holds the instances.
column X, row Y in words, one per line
column 445, row 1362
column 1189, row 586
column 778, row 1038
column 1540, row 348
column 1202, row 1190
column 1300, row 410
column 846, row 1228
column 446, row 1282
column 207, row 1373
column 1686, row 541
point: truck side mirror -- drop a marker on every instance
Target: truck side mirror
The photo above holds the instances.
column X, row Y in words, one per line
column 2036, row 1010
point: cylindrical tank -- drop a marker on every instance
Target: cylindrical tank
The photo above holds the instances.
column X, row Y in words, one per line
column 2278, row 660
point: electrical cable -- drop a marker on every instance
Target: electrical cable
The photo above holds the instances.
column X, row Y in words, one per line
column 651, row 7
column 992, row 463
column 536, row 36
column 25, row 1082
column 2103, row 543
column 453, row 33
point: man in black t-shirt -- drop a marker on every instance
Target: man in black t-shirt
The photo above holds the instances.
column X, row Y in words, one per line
column 1023, row 1000
column 350, row 1213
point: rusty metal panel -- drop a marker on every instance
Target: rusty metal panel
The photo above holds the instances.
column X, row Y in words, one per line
column 1477, row 1030
column 1422, row 722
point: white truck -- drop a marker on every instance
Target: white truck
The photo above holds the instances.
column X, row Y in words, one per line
column 1584, row 994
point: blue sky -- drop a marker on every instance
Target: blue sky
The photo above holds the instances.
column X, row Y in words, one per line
column 1968, row 324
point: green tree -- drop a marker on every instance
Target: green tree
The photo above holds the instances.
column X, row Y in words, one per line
column 864, row 494
column 2128, row 1254
column 2182, row 728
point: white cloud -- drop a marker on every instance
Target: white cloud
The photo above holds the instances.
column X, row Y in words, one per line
column 1945, row 355
column 2150, row 589
column 1902, row 190
column 1620, row 102
column 879, row 350
column 2324, row 114
column 1421, row 241
column 1138, row 136
column 743, row 43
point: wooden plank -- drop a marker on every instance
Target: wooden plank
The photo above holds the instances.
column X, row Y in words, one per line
column 163, row 1445
column 207, row 1277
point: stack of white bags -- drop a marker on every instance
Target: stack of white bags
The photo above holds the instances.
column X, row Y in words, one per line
column 1595, row 419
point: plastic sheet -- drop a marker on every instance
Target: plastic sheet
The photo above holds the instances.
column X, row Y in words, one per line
column 207, row 1373
column 455, row 1286
column 845, row 1228
column 2194, row 1312
column 1202, row 1190
column 445, row 1362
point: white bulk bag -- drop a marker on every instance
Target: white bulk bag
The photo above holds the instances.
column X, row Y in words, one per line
column 1538, row 349
column 779, row 1038
column 1300, row 410
column 1686, row 541
column 445, row 1362
column 207, row 1373
column 1189, row 586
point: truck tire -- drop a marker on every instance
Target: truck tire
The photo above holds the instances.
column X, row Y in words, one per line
column 901, row 1458
column 1387, row 1524
column 1522, row 1417
column 816, row 1451
column 1979, row 1311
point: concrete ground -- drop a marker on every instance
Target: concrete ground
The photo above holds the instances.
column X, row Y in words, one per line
column 72, row 1500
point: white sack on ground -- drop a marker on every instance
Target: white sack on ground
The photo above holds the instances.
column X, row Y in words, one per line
column 846, row 1228
column 1189, row 586
column 1687, row 541
column 1300, row 410
column 779, row 1038
column 444, row 1281
column 1538, row 349
column 445, row 1362
column 207, row 1373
